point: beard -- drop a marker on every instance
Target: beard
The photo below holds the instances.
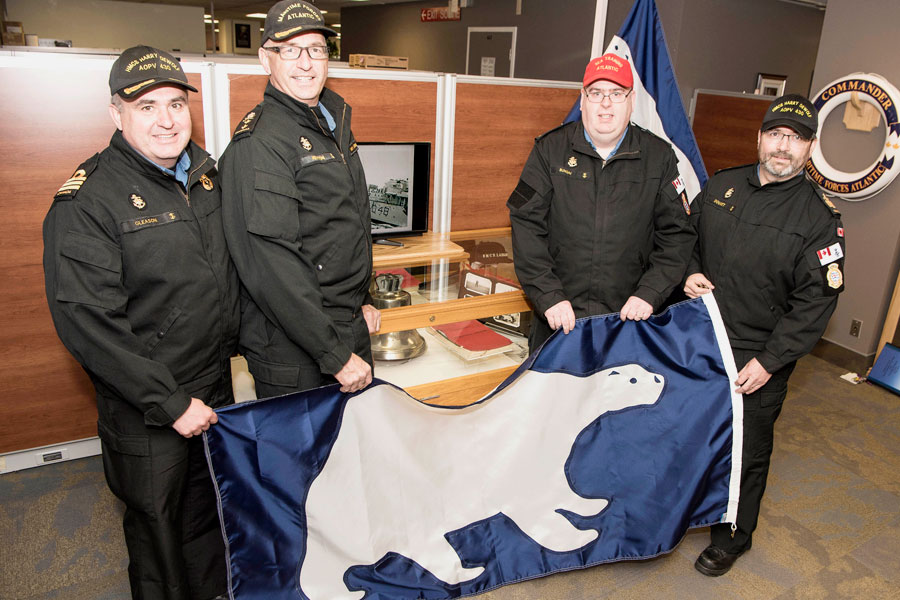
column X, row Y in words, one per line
column 794, row 165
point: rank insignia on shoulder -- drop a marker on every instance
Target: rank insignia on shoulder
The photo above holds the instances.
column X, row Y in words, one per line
column 729, row 193
column 74, row 183
column 353, row 147
column 572, row 162
column 245, row 127
column 834, row 276
column 304, row 141
column 830, row 205
column 137, row 202
column 206, row 182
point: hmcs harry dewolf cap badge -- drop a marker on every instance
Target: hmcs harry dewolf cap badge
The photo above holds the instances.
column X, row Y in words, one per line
column 307, row 145
column 206, row 182
column 573, row 162
column 137, row 202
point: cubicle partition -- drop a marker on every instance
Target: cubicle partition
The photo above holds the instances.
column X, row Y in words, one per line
column 725, row 125
column 496, row 123
column 55, row 117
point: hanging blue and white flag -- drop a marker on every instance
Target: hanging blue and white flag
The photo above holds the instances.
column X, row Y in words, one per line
column 608, row 444
column 657, row 101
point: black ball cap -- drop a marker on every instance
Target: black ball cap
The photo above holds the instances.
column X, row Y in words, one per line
column 293, row 17
column 794, row 111
column 141, row 68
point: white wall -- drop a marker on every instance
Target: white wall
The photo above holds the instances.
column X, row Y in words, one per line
column 116, row 25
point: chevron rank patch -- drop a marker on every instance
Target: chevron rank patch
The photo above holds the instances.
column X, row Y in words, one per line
column 74, row 183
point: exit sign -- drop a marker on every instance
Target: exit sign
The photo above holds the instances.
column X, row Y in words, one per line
column 439, row 13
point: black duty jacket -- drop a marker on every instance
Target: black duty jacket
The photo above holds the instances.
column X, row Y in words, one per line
column 595, row 232
column 298, row 228
column 775, row 256
column 140, row 285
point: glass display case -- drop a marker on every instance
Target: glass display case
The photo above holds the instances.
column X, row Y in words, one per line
column 461, row 298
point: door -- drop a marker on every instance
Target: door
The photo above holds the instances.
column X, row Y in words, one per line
column 491, row 51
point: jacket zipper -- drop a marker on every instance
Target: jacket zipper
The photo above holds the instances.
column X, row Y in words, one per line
column 187, row 188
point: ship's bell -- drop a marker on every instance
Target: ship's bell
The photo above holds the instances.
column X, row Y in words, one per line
column 397, row 345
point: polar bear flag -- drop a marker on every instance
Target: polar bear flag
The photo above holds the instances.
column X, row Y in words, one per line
column 607, row 444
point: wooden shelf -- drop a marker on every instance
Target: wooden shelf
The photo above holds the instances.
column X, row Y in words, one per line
column 460, row 391
column 479, row 234
column 430, row 314
column 417, row 250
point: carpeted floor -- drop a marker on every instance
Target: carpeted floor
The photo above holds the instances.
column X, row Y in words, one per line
column 830, row 526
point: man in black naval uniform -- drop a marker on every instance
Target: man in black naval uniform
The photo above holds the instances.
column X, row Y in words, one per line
column 296, row 211
column 771, row 245
column 599, row 216
column 144, row 295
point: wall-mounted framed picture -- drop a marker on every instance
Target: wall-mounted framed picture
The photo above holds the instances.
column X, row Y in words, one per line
column 770, row 85
column 242, row 35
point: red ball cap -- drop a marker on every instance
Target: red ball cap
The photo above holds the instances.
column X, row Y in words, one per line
column 611, row 67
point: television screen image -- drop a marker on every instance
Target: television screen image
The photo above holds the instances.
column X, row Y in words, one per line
column 397, row 174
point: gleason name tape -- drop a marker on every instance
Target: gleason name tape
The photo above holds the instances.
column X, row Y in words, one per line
column 877, row 91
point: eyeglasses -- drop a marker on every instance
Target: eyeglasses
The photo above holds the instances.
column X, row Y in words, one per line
column 294, row 52
column 776, row 136
column 615, row 96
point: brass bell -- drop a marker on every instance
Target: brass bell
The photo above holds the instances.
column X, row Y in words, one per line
column 397, row 345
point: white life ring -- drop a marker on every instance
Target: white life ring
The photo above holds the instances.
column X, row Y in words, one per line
column 877, row 91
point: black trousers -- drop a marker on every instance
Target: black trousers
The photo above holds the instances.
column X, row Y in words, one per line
column 354, row 333
column 171, row 523
column 761, row 410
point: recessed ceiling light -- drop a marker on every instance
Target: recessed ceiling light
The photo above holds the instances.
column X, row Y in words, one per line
column 338, row 25
column 256, row 15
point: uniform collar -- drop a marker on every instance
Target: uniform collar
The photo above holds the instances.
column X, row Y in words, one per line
column 627, row 147
column 615, row 149
column 333, row 104
column 753, row 178
column 193, row 156
column 182, row 168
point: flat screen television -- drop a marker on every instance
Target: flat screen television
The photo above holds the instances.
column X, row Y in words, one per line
column 397, row 174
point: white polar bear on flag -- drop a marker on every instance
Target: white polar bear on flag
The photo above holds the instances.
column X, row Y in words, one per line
column 446, row 469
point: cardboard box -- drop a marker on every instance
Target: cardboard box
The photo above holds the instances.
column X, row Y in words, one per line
column 375, row 61
column 12, row 33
